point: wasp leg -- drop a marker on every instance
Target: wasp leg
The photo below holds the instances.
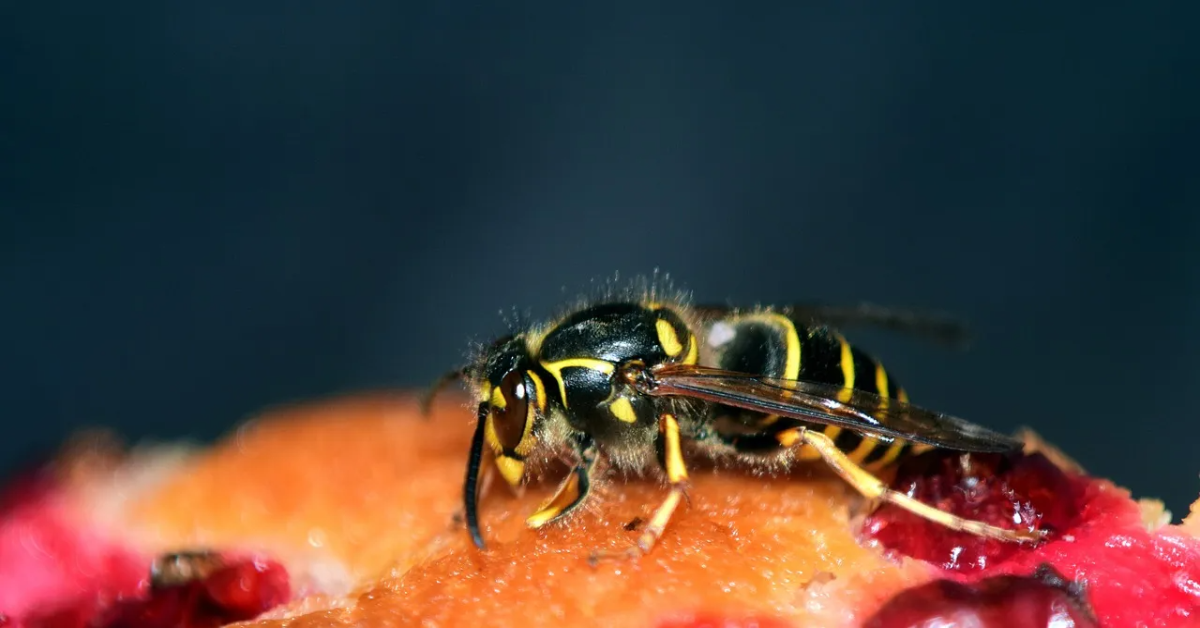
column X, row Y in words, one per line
column 486, row 475
column 672, row 460
column 573, row 490
column 875, row 489
column 671, row 457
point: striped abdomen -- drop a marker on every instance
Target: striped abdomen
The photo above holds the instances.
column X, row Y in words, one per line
column 774, row 345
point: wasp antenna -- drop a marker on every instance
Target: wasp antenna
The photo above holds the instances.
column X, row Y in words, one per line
column 442, row 382
column 470, row 486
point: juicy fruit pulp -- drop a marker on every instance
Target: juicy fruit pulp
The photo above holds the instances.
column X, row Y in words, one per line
column 1008, row 491
column 49, row 560
column 57, row 573
column 1042, row 601
column 1130, row 575
column 238, row 591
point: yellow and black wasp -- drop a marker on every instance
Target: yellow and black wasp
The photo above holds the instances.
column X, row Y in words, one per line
column 630, row 381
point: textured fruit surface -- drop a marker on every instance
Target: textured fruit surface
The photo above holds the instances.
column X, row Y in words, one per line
column 370, row 491
column 380, row 487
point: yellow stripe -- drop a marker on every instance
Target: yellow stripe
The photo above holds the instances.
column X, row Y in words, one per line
column 920, row 448
column 676, row 470
column 539, row 389
column 807, row 452
column 791, row 371
column 498, row 399
column 485, row 392
column 693, row 351
column 847, row 370
column 789, row 437
column 867, row 445
column 792, row 365
column 881, row 382
column 892, row 452
column 556, row 368
column 489, row 434
column 623, row 410
column 791, row 342
column 667, row 337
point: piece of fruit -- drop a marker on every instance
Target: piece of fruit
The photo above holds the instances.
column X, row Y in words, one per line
column 356, row 503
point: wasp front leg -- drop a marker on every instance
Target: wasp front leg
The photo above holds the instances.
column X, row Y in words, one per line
column 670, row 456
column 574, row 489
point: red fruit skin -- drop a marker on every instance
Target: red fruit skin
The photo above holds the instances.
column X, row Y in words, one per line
column 50, row 559
column 1133, row 577
column 56, row 572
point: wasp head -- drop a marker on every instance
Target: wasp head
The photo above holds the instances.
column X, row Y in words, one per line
column 512, row 398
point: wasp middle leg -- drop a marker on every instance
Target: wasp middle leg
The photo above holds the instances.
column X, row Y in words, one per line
column 670, row 456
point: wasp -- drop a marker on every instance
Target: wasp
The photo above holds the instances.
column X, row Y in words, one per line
column 630, row 381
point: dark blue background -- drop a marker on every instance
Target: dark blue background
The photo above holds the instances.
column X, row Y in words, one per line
column 213, row 207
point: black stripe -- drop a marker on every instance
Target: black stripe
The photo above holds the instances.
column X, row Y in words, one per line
column 848, row 440
column 757, row 347
column 864, row 370
column 550, row 387
column 864, row 379
column 820, row 356
column 881, row 448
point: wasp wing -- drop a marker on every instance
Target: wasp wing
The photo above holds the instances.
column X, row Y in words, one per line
column 940, row 328
column 817, row 402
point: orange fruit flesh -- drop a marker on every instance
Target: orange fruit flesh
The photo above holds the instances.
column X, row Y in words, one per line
column 368, row 489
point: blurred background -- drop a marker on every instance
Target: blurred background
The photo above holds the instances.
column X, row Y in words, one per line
column 209, row 208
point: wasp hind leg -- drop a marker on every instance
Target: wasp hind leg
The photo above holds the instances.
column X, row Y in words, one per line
column 873, row 488
column 574, row 489
column 670, row 455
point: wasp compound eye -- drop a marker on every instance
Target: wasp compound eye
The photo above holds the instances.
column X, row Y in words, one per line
column 508, row 419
